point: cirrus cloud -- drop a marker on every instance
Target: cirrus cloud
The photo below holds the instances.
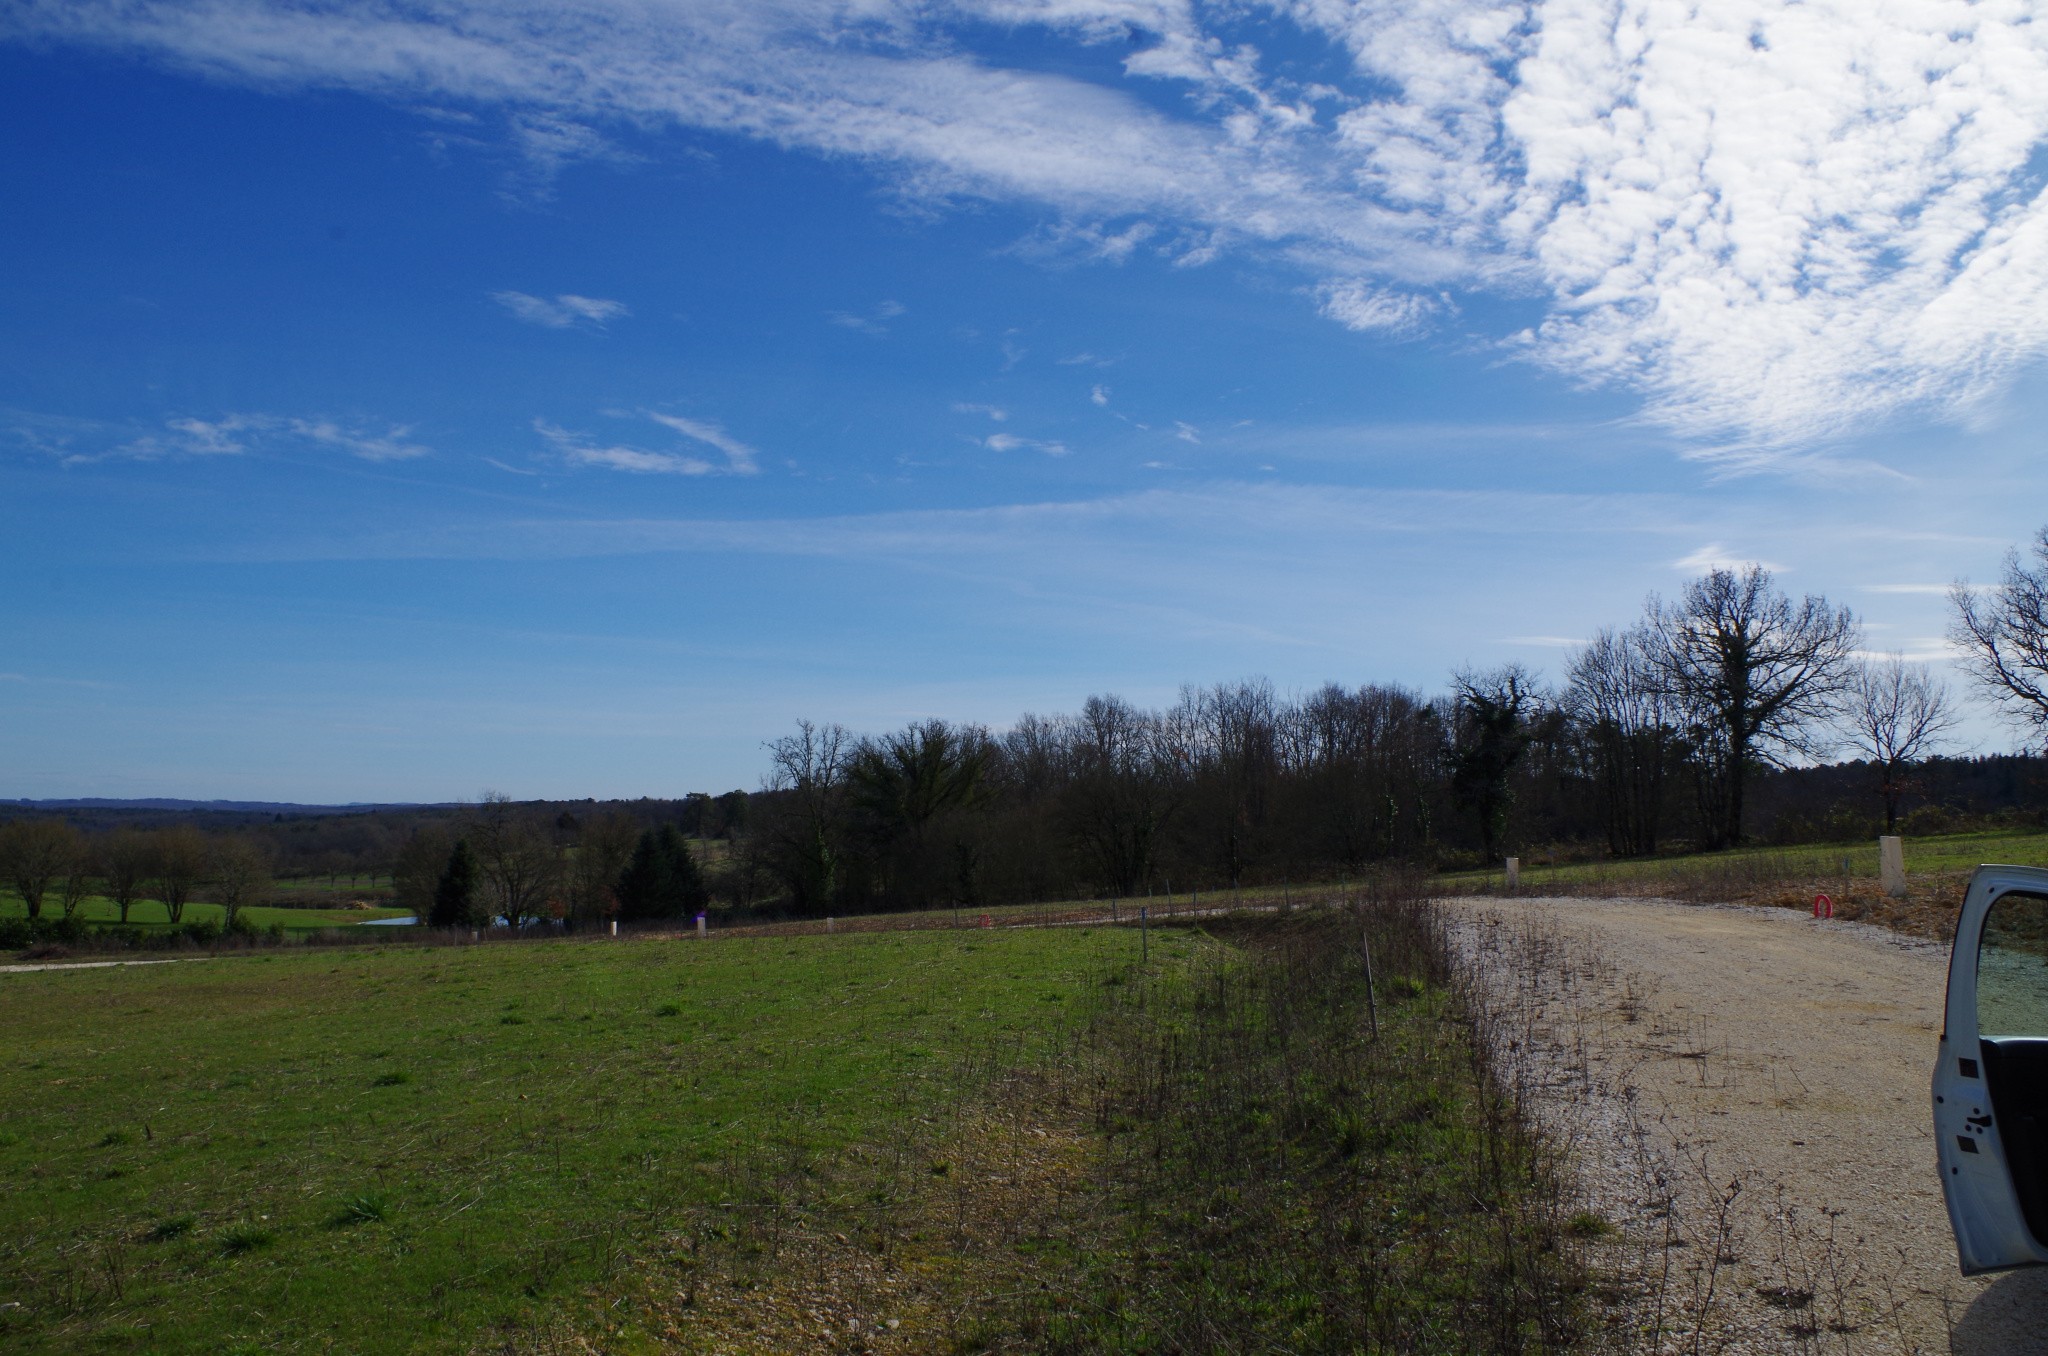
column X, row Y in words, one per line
column 1779, row 222
column 78, row 442
column 563, row 311
column 579, row 449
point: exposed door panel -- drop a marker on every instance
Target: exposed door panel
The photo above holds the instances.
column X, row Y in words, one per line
column 1991, row 1078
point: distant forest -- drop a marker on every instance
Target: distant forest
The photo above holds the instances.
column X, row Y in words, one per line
column 940, row 814
column 1707, row 723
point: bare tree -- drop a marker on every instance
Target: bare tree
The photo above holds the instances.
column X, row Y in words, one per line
column 801, row 836
column 1630, row 723
column 2003, row 635
column 904, row 784
column 1896, row 714
column 1761, row 673
column 1489, row 733
column 36, row 854
column 177, row 863
column 417, row 867
column 1234, row 738
column 1361, row 764
column 1129, row 773
column 1032, row 769
column 603, row 845
column 517, row 854
column 74, row 887
column 240, row 873
column 124, row 863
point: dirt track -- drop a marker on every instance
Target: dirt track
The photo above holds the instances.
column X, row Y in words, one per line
column 1789, row 1055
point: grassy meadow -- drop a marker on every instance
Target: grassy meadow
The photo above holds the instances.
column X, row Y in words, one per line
column 1938, row 869
column 1054, row 1139
column 1940, row 855
column 440, row 1149
column 147, row 916
column 1295, row 1161
column 307, row 906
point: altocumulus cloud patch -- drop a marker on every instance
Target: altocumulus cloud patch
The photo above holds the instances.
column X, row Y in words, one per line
column 1776, row 221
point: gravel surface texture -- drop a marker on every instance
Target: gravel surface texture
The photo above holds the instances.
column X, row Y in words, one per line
column 1743, row 1095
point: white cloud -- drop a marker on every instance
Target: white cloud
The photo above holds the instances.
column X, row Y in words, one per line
column 1249, row 515
column 740, row 458
column 1081, row 240
column 579, row 449
column 873, row 323
column 1918, row 650
column 204, row 437
column 1718, row 557
column 549, row 144
column 565, row 310
column 1187, row 433
column 1779, row 222
column 1100, row 395
column 1929, row 590
column 1362, row 306
column 78, row 442
column 1010, row 442
column 387, row 446
column 995, row 412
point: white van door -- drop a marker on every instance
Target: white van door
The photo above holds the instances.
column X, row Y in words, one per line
column 1991, row 1080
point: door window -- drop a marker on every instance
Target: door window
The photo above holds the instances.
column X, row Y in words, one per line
column 2012, row 968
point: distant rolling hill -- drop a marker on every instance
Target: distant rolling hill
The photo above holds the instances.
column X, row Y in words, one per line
column 176, row 806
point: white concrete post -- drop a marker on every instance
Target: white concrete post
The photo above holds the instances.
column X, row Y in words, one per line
column 828, row 925
column 1891, row 865
column 702, row 931
column 1514, row 873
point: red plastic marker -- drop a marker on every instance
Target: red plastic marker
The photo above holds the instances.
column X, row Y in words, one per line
column 1823, row 907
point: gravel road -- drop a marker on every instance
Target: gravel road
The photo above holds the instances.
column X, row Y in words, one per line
column 88, row 965
column 1789, row 1055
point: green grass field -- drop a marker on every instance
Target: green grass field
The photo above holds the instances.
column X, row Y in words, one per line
column 148, row 915
column 1742, row 867
column 338, row 890
column 444, row 1149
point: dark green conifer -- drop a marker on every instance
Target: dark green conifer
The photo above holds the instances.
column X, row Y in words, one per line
column 455, row 895
column 686, row 880
column 662, row 879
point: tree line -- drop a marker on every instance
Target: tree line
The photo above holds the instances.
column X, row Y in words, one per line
column 55, row 868
column 494, row 861
column 1655, row 737
column 515, row 863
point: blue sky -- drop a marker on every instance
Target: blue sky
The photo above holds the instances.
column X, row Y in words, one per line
column 397, row 401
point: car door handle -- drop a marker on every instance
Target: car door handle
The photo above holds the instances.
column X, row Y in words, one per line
column 1979, row 1122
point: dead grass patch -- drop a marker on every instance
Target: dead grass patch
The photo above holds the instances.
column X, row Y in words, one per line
column 938, row 1244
